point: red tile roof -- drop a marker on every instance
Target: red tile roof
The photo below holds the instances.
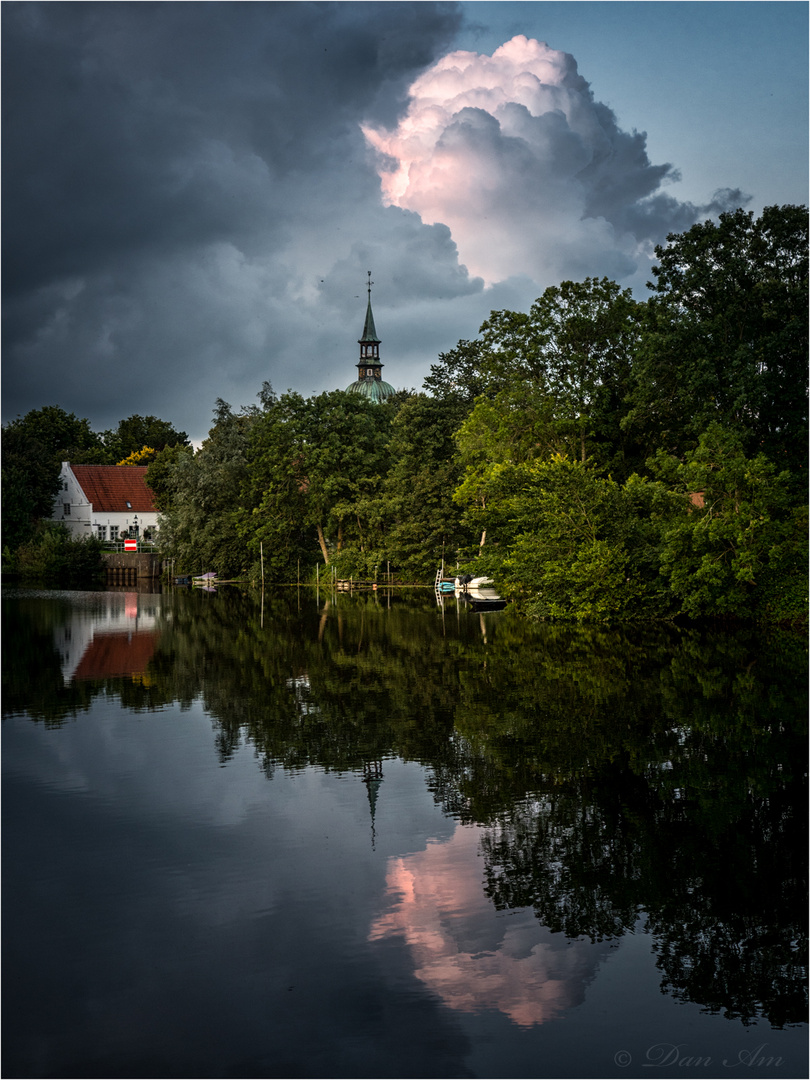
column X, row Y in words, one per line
column 110, row 487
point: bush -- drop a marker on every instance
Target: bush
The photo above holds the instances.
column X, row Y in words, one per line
column 53, row 556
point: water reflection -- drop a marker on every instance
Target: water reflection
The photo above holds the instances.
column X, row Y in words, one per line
column 595, row 773
column 111, row 634
column 513, row 964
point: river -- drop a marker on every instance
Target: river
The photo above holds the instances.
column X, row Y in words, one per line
column 313, row 835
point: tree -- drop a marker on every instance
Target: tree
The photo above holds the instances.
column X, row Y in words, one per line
column 568, row 543
column 62, row 435
column 34, row 446
column 579, row 341
column 30, row 477
column 725, row 337
column 571, row 354
column 52, row 555
column 316, row 470
column 160, row 474
column 200, row 496
column 741, row 541
column 139, row 457
column 137, row 432
column 423, row 524
column 464, row 373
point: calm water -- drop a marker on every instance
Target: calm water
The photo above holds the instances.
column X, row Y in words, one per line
column 373, row 837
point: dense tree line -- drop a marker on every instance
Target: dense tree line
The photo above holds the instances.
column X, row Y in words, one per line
column 599, row 457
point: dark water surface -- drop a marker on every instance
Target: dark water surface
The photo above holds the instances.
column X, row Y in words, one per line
column 372, row 837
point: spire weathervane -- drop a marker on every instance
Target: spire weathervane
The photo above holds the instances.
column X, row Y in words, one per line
column 370, row 283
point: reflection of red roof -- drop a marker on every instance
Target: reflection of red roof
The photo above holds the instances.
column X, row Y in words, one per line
column 109, row 655
column 110, row 487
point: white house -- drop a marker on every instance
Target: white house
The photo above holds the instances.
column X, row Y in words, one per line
column 106, row 501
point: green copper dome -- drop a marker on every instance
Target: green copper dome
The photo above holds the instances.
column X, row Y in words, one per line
column 373, row 389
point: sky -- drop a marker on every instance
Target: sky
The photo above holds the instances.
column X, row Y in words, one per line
column 194, row 193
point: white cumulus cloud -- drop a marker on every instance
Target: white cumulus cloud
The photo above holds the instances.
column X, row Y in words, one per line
column 530, row 172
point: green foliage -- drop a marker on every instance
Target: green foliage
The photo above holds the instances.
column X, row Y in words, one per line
column 137, row 432
column 200, row 497
column 463, row 373
column 571, row 544
column 30, row 477
column 743, row 527
column 53, row 556
column 576, row 345
column 570, row 356
column 316, row 470
column 559, row 450
column 725, row 337
column 423, row 522
column 62, row 435
column 159, row 475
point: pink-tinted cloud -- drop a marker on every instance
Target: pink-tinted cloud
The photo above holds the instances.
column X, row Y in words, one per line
column 465, row 952
column 531, row 174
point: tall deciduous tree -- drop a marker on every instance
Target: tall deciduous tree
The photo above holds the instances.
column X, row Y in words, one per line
column 743, row 543
column 201, row 495
column 579, row 342
column 317, row 466
column 423, row 522
column 62, row 435
column 725, row 336
column 572, row 352
column 465, row 373
column 30, row 484
column 136, row 432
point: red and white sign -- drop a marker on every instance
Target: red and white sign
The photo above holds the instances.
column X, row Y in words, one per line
column 130, row 545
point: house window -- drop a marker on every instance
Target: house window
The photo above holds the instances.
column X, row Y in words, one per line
column 102, row 532
column 113, row 532
column 129, row 505
column 66, row 508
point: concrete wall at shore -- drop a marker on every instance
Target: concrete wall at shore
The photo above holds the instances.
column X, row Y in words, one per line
column 131, row 564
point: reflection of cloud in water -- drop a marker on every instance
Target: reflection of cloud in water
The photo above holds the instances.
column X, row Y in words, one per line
column 472, row 956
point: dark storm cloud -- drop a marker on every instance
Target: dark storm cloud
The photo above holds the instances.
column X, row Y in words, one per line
column 180, row 178
column 158, row 125
column 191, row 205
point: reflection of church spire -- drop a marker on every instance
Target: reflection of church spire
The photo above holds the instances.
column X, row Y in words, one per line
column 372, row 778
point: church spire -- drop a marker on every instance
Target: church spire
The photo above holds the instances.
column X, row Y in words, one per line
column 369, row 381
column 369, row 331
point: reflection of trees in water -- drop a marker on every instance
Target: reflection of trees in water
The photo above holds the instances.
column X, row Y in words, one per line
column 649, row 769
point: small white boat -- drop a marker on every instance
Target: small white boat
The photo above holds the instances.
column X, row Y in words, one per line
column 469, row 584
column 480, row 592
